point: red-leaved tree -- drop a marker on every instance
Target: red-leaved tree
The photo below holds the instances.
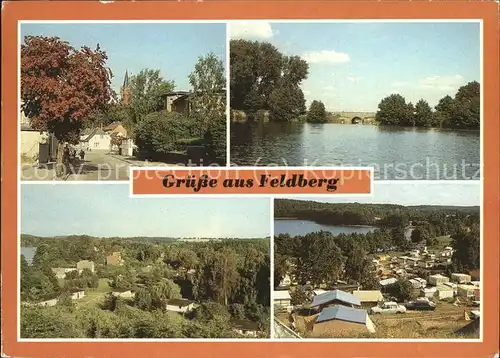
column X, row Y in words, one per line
column 61, row 86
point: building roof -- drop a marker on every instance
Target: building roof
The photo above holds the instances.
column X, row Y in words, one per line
column 335, row 295
column 181, row 302
column 245, row 325
column 282, row 295
column 369, row 295
column 342, row 313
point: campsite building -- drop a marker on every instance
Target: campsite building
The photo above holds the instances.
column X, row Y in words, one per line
column 428, row 292
column 286, row 281
column 282, row 298
column 337, row 319
column 369, row 298
column 245, row 327
column 438, row 279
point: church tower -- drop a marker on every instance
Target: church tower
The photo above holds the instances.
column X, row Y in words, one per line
column 125, row 92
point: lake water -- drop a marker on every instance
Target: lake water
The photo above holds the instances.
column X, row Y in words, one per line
column 394, row 152
column 28, row 252
column 296, row 227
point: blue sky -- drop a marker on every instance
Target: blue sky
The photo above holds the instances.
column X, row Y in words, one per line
column 107, row 210
column 354, row 65
column 173, row 48
column 452, row 194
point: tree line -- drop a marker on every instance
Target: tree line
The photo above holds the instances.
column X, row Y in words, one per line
column 227, row 279
column 460, row 111
column 65, row 90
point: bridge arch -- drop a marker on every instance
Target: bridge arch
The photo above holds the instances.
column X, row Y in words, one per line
column 356, row 120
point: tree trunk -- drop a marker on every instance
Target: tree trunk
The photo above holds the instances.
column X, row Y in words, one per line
column 60, row 165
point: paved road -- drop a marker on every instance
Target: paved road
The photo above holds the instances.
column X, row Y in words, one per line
column 100, row 165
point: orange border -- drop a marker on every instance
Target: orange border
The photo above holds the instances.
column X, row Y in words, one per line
column 350, row 181
column 13, row 11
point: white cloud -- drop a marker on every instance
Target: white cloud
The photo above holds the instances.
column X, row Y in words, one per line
column 399, row 84
column 326, row 56
column 442, row 83
column 251, row 30
column 354, row 79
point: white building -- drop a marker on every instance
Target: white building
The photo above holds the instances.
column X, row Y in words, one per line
column 245, row 327
column 48, row 303
column 451, row 285
column 444, row 292
column 124, row 293
column 61, row 272
column 85, row 264
column 415, row 253
column 428, row 292
column 418, row 282
column 447, row 252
